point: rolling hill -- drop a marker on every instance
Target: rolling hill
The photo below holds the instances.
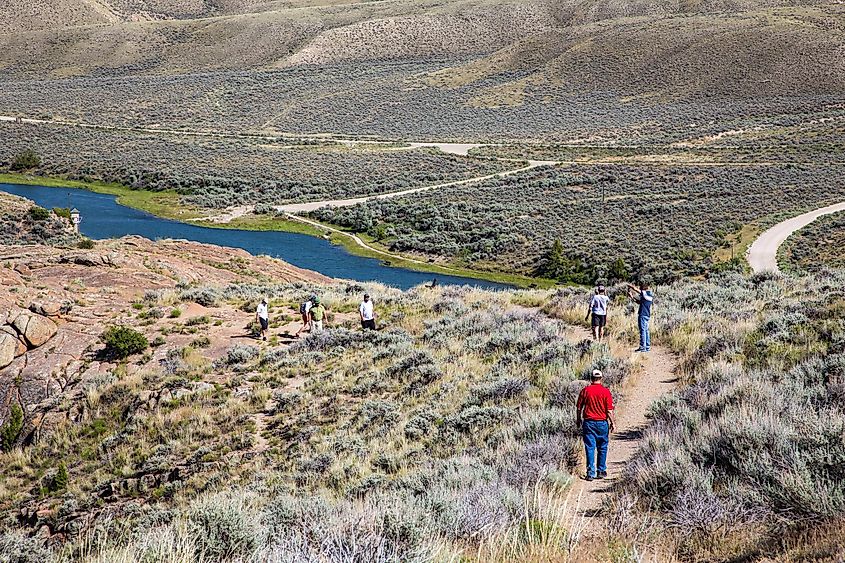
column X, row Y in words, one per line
column 685, row 49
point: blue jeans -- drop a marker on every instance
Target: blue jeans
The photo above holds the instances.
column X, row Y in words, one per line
column 645, row 337
column 596, row 434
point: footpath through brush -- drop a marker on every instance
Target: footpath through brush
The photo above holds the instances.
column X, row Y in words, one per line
column 656, row 378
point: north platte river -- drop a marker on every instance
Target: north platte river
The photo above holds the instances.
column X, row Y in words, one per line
column 103, row 217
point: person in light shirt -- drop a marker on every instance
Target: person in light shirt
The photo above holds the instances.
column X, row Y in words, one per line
column 262, row 316
column 598, row 309
column 644, row 297
column 368, row 314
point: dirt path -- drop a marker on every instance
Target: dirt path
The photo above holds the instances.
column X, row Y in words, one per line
column 460, row 149
column 763, row 253
column 314, row 205
column 237, row 212
column 656, row 378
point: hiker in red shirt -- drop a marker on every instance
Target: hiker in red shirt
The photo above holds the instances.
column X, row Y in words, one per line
column 595, row 415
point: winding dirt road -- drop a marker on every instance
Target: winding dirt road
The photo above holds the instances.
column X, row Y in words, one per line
column 314, row 205
column 762, row 255
column 232, row 213
column 460, row 149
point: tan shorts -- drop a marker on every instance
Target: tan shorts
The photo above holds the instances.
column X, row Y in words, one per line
column 316, row 326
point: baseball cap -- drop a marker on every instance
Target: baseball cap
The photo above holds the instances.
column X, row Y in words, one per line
column 597, row 374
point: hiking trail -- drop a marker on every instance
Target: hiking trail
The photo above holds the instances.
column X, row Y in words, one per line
column 655, row 379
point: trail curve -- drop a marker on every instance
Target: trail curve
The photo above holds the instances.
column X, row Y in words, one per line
column 763, row 253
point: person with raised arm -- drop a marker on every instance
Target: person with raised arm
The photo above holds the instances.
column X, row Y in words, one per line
column 645, row 298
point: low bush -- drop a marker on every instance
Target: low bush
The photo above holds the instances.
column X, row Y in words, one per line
column 122, row 342
column 11, row 428
column 225, row 528
column 26, row 160
column 16, row 547
column 37, row 213
column 62, row 212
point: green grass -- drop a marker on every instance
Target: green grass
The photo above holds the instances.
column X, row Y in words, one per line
column 266, row 223
column 169, row 206
column 161, row 204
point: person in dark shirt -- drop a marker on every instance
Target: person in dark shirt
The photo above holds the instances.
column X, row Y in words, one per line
column 594, row 415
column 645, row 297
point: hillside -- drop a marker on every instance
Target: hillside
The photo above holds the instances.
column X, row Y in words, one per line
column 561, row 143
column 686, row 50
column 815, row 248
column 448, row 431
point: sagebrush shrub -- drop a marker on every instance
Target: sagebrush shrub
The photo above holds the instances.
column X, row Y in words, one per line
column 11, row 428
column 25, row 160
column 241, row 354
column 37, row 213
column 225, row 527
column 123, row 341
column 18, row 548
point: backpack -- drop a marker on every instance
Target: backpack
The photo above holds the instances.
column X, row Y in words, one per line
column 302, row 309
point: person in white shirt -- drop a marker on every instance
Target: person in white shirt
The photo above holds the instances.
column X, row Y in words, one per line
column 598, row 309
column 262, row 316
column 368, row 314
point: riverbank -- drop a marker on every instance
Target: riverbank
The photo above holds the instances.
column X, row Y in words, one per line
column 167, row 205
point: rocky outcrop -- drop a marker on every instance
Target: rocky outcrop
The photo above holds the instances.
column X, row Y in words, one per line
column 19, row 226
column 91, row 259
column 35, row 329
column 56, row 302
column 20, row 343
column 8, row 348
column 22, row 330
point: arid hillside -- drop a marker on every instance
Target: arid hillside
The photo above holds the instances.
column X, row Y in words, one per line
column 141, row 420
column 740, row 49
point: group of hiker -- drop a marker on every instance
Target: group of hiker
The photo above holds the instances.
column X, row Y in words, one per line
column 594, row 408
column 600, row 303
column 313, row 314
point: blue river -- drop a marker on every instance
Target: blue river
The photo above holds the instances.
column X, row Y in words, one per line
column 103, row 217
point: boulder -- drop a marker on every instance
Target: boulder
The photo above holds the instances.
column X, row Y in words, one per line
column 47, row 309
column 23, row 270
column 92, row 259
column 35, row 329
column 87, row 259
column 8, row 348
column 21, row 345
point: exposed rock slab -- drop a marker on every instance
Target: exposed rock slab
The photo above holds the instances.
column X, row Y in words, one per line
column 35, row 329
column 8, row 349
